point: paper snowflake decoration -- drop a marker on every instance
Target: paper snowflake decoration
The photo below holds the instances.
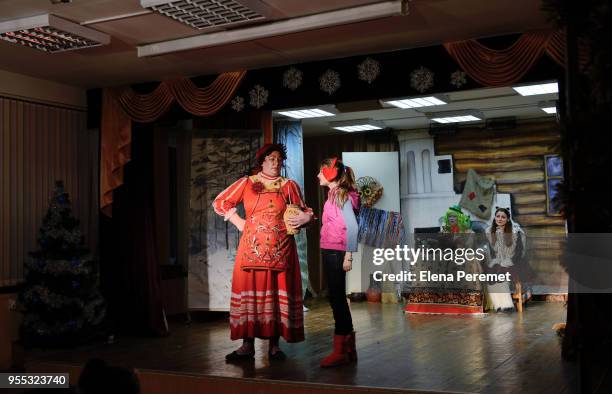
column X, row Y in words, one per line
column 238, row 104
column 421, row 79
column 258, row 96
column 369, row 70
column 458, row 79
column 329, row 81
column 292, row 78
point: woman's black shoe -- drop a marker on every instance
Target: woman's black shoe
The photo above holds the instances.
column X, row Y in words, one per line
column 235, row 356
column 278, row 356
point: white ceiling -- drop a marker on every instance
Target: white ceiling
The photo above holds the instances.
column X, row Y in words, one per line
column 493, row 102
column 429, row 22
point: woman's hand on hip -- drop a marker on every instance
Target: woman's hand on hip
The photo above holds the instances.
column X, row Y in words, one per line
column 238, row 222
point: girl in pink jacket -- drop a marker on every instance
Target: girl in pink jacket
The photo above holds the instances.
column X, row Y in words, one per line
column 338, row 242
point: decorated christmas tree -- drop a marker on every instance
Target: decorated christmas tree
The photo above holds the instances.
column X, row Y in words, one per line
column 60, row 299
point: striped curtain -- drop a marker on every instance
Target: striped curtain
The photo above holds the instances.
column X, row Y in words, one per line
column 40, row 144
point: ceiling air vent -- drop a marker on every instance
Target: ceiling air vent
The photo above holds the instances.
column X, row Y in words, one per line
column 50, row 33
column 202, row 14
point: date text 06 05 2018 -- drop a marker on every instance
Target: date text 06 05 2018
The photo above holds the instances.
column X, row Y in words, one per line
column 34, row 380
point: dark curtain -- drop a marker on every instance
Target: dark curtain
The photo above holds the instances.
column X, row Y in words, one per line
column 131, row 241
column 122, row 105
column 315, row 150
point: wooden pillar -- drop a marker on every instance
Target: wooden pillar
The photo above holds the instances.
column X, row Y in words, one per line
column 567, row 93
column 267, row 126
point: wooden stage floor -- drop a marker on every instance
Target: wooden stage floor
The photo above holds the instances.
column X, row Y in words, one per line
column 495, row 353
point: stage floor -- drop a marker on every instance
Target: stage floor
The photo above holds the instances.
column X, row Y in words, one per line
column 495, row 353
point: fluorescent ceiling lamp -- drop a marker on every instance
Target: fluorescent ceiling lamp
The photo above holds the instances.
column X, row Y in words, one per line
column 50, row 33
column 456, row 119
column 305, row 113
column 550, row 107
column 202, row 14
column 532, row 90
column 364, row 127
column 293, row 25
column 456, row 116
column 357, row 125
column 417, row 102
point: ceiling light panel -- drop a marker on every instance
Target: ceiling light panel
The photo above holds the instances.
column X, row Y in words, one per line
column 306, row 113
column 471, row 115
column 456, row 119
column 550, row 107
column 50, row 33
column 357, row 125
column 202, row 14
column 532, row 90
column 417, row 102
column 364, row 127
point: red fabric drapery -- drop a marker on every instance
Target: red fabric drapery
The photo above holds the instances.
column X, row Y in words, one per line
column 121, row 106
column 491, row 67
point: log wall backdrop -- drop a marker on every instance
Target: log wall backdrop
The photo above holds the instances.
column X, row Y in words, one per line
column 515, row 158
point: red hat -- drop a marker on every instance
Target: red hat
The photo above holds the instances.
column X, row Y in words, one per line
column 269, row 148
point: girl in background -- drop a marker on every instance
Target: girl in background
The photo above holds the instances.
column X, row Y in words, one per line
column 338, row 242
column 507, row 241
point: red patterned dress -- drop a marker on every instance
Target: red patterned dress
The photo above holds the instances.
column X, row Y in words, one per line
column 266, row 296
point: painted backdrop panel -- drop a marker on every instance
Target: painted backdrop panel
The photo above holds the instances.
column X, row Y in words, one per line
column 218, row 160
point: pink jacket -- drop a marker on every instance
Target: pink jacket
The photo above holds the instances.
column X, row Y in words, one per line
column 339, row 225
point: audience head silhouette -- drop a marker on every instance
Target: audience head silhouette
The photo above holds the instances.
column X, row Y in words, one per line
column 98, row 377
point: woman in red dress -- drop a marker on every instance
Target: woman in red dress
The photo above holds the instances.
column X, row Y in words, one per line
column 266, row 299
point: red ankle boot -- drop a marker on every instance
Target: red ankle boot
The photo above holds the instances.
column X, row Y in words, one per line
column 351, row 349
column 338, row 356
